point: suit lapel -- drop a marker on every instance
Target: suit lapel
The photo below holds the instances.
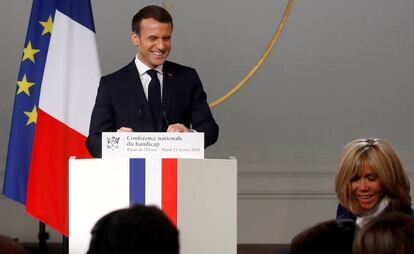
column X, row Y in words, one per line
column 167, row 87
column 134, row 83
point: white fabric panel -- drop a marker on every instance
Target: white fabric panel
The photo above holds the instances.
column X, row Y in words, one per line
column 96, row 187
column 153, row 182
column 207, row 206
column 71, row 75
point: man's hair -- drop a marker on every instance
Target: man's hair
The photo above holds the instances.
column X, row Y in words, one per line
column 138, row 229
column 385, row 164
column 325, row 237
column 151, row 11
column 386, row 234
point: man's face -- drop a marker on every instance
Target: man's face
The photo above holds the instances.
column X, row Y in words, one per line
column 153, row 42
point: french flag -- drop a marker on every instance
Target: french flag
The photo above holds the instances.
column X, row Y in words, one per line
column 55, row 93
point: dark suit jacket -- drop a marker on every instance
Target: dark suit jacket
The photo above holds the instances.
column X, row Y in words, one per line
column 343, row 213
column 121, row 102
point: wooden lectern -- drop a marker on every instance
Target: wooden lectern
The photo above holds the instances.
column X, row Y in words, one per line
column 206, row 199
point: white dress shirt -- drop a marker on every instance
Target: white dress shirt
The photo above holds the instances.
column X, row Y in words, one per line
column 145, row 77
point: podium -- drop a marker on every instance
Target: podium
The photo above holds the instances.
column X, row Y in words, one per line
column 200, row 196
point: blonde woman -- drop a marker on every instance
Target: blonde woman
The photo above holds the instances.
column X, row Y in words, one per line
column 370, row 180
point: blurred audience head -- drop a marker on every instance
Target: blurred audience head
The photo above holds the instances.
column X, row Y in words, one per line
column 325, row 237
column 138, row 229
column 10, row 246
column 368, row 171
column 389, row 233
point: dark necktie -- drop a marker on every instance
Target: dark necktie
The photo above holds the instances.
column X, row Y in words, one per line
column 154, row 98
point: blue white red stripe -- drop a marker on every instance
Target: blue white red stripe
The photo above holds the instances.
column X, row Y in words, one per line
column 154, row 182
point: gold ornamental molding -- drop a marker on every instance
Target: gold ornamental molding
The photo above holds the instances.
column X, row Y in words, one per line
column 260, row 62
column 168, row 5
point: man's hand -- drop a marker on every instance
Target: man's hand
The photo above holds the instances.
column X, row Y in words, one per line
column 177, row 127
column 124, row 129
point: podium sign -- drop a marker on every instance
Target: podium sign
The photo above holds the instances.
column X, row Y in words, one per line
column 188, row 145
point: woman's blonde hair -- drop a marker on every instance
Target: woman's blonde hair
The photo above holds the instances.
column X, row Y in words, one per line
column 385, row 164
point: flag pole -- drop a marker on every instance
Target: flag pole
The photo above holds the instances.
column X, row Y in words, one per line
column 43, row 236
column 65, row 245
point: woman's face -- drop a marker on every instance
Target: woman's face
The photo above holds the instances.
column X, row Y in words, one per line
column 367, row 188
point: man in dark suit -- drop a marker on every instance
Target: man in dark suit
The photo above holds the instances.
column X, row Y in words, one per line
column 151, row 94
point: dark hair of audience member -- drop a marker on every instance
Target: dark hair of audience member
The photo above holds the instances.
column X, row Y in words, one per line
column 388, row 233
column 138, row 229
column 325, row 237
column 10, row 246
